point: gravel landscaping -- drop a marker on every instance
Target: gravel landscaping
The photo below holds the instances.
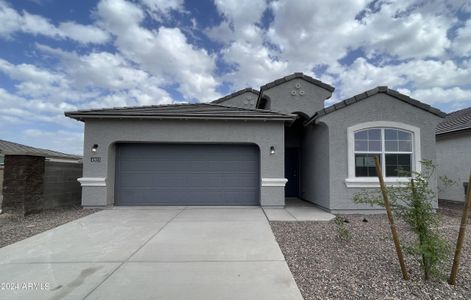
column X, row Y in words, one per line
column 15, row 228
column 365, row 267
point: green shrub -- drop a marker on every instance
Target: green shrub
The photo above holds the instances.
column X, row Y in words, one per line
column 413, row 204
column 342, row 230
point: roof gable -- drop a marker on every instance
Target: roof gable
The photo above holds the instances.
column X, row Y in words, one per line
column 372, row 92
column 181, row 111
column 455, row 121
column 295, row 76
column 235, row 94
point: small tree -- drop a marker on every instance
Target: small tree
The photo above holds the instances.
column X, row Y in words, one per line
column 413, row 204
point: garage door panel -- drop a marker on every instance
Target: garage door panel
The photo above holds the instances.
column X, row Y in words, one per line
column 199, row 197
column 206, row 165
column 217, row 180
column 179, row 174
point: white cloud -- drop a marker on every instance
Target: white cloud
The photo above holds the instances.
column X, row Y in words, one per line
column 314, row 32
column 60, row 140
column 165, row 53
column 361, row 76
column 430, row 81
column 28, row 72
column 245, row 48
column 404, row 30
column 162, row 8
column 253, row 65
column 13, row 21
column 462, row 42
column 83, row 33
column 241, row 13
column 306, row 34
column 456, row 97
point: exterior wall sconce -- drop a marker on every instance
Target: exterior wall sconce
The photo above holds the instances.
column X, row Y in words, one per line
column 94, row 148
column 272, row 150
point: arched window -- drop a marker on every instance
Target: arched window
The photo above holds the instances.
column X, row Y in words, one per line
column 393, row 146
column 264, row 103
column 397, row 145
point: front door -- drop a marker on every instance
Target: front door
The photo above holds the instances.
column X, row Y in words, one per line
column 292, row 172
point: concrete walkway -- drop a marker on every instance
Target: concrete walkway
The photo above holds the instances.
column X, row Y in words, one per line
column 164, row 253
column 298, row 210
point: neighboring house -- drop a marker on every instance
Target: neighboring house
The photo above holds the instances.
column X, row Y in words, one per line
column 236, row 151
column 34, row 179
column 11, row 148
column 454, row 153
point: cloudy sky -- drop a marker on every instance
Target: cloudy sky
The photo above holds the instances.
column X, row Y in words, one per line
column 57, row 56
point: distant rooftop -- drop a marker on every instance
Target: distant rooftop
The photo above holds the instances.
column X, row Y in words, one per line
column 7, row 147
column 456, row 121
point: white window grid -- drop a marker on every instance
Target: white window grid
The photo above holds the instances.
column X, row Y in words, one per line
column 383, row 151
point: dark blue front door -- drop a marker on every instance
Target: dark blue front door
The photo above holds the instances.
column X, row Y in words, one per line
column 292, row 172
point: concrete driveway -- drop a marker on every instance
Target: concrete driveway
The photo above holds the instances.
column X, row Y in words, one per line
column 164, row 253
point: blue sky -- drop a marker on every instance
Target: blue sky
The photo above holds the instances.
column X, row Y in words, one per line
column 57, row 55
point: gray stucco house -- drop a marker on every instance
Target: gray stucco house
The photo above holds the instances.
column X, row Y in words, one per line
column 454, row 153
column 255, row 147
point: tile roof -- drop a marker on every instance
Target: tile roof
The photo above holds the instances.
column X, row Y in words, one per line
column 7, row 147
column 181, row 111
column 294, row 76
column 235, row 94
column 455, row 121
column 369, row 93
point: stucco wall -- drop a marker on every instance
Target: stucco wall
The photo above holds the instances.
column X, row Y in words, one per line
column 454, row 161
column 282, row 99
column 245, row 100
column 380, row 107
column 107, row 132
column 315, row 184
column 61, row 187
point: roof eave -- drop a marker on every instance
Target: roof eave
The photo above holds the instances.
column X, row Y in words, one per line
column 82, row 117
column 456, row 131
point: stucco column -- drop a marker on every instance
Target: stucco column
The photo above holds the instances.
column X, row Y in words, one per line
column 273, row 181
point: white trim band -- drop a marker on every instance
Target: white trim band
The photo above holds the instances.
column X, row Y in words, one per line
column 274, row 181
column 374, row 182
column 92, row 181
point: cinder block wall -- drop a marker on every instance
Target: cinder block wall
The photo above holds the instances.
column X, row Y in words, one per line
column 1, row 185
column 23, row 184
column 32, row 184
column 61, row 187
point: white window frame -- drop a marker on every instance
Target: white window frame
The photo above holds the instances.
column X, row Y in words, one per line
column 365, row 182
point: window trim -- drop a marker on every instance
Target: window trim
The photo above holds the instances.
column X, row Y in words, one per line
column 365, row 182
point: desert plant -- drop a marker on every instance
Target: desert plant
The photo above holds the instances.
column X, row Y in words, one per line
column 342, row 230
column 413, row 204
